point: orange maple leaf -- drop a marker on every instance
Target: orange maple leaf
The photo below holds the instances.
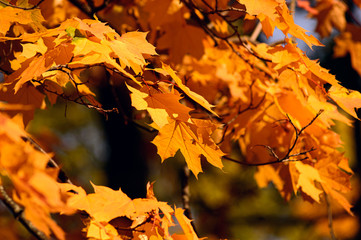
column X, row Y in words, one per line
column 10, row 15
column 348, row 100
column 106, row 207
column 330, row 14
column 190, row 139
column 160, row 106
column 273, row 13
column 349, row 41
column 194, row 96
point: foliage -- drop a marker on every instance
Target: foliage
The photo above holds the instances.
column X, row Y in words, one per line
column 204, row 84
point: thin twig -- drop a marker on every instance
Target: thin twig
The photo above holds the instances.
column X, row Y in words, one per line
column 230, row 9
column 293, row 7
column 251, row 106
column 62, row 177
column 18, row 213
column 78, row 99
column 298, row 133
column 329, row 214
column 288, row 157
column 265, row 163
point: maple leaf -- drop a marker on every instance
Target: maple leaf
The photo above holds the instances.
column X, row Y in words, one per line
column 192, row 143
column 194, row 96
column 266, row 7
column 185, row 223
column 35, row 186
column 348, row 100
column 34, row 67
column 11, row 15
column 27, row 95
column 181, row 40
column 179, row 36
column 349, row 41
column 330, row 14
column 81, row 50
column 106, row 205
column 130, row 48
column 334, row 180
column 307, row 180
column 13, row 128
column 266, row 174
column 267, row 98
column 290, row 55
column 275, row 13
column 160, row 106
column 286, row 24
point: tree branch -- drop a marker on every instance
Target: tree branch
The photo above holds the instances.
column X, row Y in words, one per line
column 18, row 213
column 186, row 195
column 329, row 214
column 265, row 163
column 256, row 32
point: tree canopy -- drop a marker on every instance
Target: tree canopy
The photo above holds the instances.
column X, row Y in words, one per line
column 198, row 77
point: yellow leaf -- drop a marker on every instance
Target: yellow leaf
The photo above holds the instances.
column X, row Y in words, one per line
column 266, row 174
column 330, row 14
column 101, row 231
column 194, row 96
column 273, row 13
column 307, row 180
column 130, row 47
column 32, row 68
column 348, row 100
column 185, row 223
column 10, row 15
column 30, row 49
column 160, row 106
column 179, row 135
